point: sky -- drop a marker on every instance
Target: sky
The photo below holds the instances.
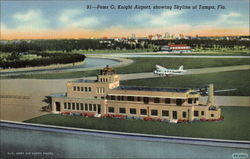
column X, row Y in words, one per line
column 53, row 19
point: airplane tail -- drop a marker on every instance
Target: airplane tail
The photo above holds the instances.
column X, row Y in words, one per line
column 181, row 68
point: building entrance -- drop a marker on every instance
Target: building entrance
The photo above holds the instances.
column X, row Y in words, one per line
column 174, row 114
column 99, row 109
column 58, row 106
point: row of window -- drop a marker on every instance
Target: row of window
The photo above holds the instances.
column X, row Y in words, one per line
column 105, row 79
column 155, row 100
column 154, row 112
column 100, row 90
column 82, row 89
column 81, row 106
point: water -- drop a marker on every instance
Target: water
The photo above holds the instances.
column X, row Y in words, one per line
column 88, row 63
column 25, row 143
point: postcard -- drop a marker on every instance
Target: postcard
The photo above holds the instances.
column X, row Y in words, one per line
column 124, row 79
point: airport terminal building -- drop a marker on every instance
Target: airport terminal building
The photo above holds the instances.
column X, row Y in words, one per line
column 105, row 96
column 177, row 48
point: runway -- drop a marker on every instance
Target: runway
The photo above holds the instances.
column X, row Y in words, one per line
column 189, row 72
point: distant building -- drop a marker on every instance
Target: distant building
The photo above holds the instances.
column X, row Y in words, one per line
column 105, row 96
column 177, row 48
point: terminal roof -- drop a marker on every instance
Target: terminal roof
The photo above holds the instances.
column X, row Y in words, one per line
column 84, row 81
column 136, row 88
column 58, row 95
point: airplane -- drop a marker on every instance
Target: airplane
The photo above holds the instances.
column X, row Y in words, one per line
column 203, row 91
column 160, row 70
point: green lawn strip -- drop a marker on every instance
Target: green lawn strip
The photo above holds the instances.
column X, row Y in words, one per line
column 145, row 65
column 202, row 54
column 235, row 125
column 58, row 75
column 221, row 80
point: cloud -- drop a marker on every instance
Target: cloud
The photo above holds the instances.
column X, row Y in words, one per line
column 156, row 20
column 76, row 18
column 227, row 19
column 68, row 14
column 31, row 19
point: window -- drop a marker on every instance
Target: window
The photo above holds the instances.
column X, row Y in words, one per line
column 122, row 97
column 90, row 107
column 111, row 109
column 118, row 97
column 74, row 88
column 78, row 88
column 196, row 113
column 143, row 111
column 86, row 107
column 131, row 98
column 165, row 113
column 86, row 89
column 82, row 89
column 179, row 102
column 73, row 106
column 132, row 111
column 195, row 100
column 94, row 107
column 156, row 100
column 77, row 106
column 154, row 112
column 112, row 97
column 89, row 89
column 184, row 114
column 65, row 105
column 202, row 112
column 190, row 100
column 138, row 99
column 69, row 105
column 167, row 100
column 212, row 115
column 122, row 110
column 145, row 100
column 81, row 106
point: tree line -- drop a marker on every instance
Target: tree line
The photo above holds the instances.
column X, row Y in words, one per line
column 47, row 59
column 68, row 45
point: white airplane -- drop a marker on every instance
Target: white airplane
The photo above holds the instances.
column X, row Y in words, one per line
column 160, row 70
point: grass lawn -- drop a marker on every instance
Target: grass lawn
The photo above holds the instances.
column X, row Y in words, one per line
column 146, row 65
column 235, row 126
column 221, row 80
column 58, row 75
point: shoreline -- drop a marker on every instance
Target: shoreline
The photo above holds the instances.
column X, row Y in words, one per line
column 53, row 66
column 122, row 62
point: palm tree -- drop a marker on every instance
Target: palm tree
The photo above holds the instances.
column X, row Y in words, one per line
column 48, row 101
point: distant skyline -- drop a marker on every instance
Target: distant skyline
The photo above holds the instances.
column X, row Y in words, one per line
column 71, row 19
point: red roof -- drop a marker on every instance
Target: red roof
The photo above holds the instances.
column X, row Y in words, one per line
column 178, row 45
